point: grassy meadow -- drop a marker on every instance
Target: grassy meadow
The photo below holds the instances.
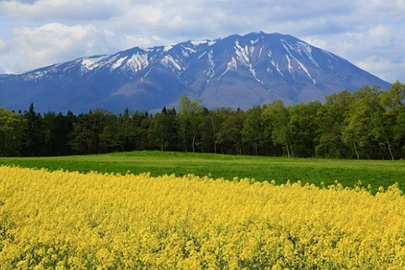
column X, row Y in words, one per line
column 320, row 172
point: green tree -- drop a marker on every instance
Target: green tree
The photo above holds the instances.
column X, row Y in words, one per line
column 50, row 131
column 110, row 135
column 229, row 136
column 277, row 125
column 87, row 133
column 126, row 132
column 163, row 131
column 12, row 126
column 394, row 117
column 33, row 136
column 143, row 122
column 190, row 117
column 57, row 129
column 132, row 130
column 364, row 128
column 252, row 132
column 330, row 118
column 303, row 128
column 209, row 128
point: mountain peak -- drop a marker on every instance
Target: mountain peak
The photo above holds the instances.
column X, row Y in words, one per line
column 235, row 71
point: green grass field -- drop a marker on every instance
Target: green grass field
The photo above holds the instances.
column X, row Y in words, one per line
column 347, row 172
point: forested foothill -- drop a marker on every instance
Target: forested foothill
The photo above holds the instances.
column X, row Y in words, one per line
column 366, row 124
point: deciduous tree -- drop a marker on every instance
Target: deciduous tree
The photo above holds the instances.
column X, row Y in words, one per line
column 12, row 126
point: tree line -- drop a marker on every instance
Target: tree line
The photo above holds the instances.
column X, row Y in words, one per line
column 366, row 124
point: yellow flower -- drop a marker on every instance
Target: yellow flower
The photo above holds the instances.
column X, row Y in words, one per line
column 70, row 220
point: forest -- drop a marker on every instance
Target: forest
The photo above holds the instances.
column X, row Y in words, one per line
column 366, row 124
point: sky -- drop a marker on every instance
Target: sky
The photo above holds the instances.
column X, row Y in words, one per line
column 37, row 33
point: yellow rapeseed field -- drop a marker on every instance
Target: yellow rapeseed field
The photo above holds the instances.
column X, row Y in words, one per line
column 69, row 220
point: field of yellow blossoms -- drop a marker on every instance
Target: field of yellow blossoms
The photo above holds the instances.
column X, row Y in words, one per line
column 69, row 220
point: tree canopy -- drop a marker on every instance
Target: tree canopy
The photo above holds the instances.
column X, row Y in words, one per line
column 366, row 124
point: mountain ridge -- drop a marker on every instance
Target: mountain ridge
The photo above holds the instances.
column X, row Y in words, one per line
column 236, row 71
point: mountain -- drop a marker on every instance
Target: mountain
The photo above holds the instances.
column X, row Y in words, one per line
column 236, row 71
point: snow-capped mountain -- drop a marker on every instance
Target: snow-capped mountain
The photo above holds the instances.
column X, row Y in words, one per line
column 236, row 71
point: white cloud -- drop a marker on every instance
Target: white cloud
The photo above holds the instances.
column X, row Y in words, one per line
column 368, row 33
column 43, row 10
column 378, row 52
column 54, row 42
column 384, row 67
column 3, row 45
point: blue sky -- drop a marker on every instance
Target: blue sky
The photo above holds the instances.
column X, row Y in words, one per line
column 36, row 33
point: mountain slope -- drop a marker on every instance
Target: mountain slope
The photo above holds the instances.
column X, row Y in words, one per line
column 236, row 71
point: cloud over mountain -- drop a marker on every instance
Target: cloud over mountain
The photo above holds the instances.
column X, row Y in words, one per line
column 365, row 32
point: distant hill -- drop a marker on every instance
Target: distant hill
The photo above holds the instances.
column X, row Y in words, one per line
column 236, row 71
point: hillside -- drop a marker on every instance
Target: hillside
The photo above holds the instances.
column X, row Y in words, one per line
column 236, row 71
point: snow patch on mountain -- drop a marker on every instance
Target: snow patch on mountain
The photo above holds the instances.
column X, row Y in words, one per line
column 138, row 62
column 330, row 65
column 290, row 68
column 199, row 42
column 35, row 75
column 171, row 63
column 277, row 67
column 244, row 53
column 118, row 63
column 253, row 42
column 260, row 52
column 254, row 74
column 167, row 48
column 303, row 67
column 232, row 65
column 91, row 63
column 331, row 55
column 187, row 51
column 204, row 53
column 212, row 42
column 308, row 51
column 211, row 67
column 287, row 47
